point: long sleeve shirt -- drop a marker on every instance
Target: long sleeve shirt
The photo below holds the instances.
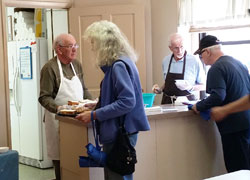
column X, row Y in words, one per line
column 227, row 80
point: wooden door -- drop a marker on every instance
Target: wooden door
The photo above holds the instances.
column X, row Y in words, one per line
column 129, row 18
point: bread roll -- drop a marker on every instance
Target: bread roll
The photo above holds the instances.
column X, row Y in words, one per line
column 82, row 109
column 67, row 111
column 71, row 103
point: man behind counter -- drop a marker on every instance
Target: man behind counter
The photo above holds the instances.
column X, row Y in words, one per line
column 61, row 81
column 180, row 66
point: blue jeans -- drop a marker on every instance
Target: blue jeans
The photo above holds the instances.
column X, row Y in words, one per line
column 110, row 175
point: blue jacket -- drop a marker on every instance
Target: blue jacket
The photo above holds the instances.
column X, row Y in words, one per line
column 121, row 96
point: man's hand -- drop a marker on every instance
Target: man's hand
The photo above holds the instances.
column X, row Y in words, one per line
column 195, row 109
column 156, row 89
column 84, row 117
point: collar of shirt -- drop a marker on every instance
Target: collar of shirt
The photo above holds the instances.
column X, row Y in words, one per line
column 174, row 60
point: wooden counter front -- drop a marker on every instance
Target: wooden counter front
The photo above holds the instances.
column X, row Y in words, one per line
column 180, row 145
column 73, row 138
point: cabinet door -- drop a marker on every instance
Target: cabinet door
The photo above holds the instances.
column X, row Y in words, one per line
column 129, row 18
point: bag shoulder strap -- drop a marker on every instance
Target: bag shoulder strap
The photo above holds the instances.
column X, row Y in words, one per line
column 94, row 131
column 121, row 118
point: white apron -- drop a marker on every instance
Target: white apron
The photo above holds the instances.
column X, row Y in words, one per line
column 68, row 90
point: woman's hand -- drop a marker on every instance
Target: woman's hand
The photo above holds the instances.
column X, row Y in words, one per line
column 218, row 113
column 84, row 117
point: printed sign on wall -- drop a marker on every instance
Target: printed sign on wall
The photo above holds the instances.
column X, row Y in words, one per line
column 26, row 63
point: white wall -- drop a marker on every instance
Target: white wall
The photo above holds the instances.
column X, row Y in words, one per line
column 164, row 23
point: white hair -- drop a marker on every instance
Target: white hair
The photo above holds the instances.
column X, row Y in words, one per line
column 59, row 40
column 110, row 42
column 175, row 37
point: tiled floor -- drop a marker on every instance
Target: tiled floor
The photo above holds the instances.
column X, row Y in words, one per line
column 33, row 173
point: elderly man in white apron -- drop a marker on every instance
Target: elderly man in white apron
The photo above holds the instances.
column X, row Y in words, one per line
column 61, row 81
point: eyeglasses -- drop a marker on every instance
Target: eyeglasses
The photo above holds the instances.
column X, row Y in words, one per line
column 200, row 55
column 71, row 46
column 178, row 48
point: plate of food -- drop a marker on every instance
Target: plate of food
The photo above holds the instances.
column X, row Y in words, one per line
column 67, row 112
column 72, row 109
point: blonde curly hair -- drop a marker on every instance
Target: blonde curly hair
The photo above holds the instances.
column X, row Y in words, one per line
column 109, row 42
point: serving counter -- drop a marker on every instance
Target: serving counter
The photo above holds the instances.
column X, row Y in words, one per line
column 180, row 145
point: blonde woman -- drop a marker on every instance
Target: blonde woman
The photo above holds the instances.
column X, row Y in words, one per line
column 121, row 93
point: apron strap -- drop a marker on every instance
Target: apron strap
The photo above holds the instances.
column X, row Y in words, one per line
column 184, row 63
column 60, row 69
column 73, row 69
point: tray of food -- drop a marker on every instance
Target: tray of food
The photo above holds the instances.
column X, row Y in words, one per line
column 67, row 112
column 74, row 107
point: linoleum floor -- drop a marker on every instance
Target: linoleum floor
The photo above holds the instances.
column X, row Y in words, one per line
column 33, row 173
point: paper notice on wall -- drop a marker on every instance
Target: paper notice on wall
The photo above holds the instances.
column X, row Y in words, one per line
column 25, row 63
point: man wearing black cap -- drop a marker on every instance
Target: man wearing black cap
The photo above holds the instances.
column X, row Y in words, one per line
column 227, row 80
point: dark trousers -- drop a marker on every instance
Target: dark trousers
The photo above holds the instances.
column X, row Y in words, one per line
column 57, row 169
column 236, row 149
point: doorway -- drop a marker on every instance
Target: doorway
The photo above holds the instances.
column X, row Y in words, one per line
column 30, row 33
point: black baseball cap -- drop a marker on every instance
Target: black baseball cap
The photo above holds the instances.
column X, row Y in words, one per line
column 207, row 41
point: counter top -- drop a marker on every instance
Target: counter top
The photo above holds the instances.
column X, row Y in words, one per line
column 156, row 112
column 167, row 110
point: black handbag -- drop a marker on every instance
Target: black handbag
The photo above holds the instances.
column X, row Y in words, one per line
column 122, row 157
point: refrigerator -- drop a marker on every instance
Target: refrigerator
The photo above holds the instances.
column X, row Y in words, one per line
column 25, row 60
